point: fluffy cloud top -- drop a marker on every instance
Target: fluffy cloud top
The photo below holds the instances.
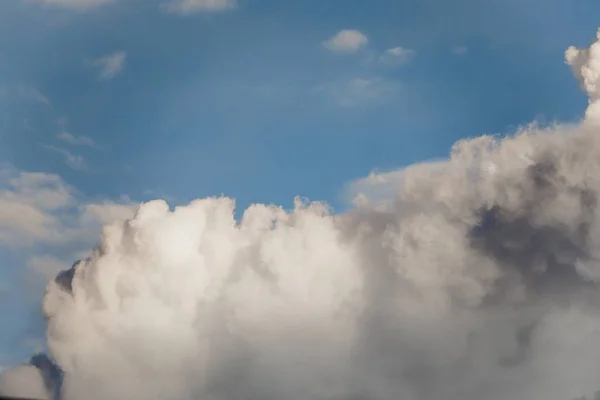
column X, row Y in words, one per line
column 346, row 41
column 585, row 64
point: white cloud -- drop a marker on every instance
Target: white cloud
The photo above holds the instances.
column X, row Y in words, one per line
column 481, row 273
column 346, row 41
column 585, row 64
column 25, row 381
column 29, row 206
column 110, row 65
column 74, row 161
column 76, row 140
column 460, row 50
column 397, row 56
column 41, row 209
column 359, row 91
column 189, row 7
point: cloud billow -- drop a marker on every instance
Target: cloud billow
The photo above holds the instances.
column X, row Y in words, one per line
column 472, row 278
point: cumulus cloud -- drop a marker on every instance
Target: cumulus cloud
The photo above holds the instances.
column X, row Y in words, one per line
column 397, row 56
column 346, row 41
column 190, row 7
column 76, row 140
column 473, row 278
column 585, row 64
column 110, row 65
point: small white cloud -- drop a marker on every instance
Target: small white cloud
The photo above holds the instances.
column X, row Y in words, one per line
column 346, row 41
column 110, row 65
column 76, row 140
column 397, row 56
column 80, row 5
column 189, row 7
column 460, row 50
column 359, row 91
column 72, row 160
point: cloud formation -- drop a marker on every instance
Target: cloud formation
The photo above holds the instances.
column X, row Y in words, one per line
column 397, row 56
column 358, row 92
column 190, row 7
column 346, row 41
column 585, row 64
column 76, row 140
column 40, row 209
column 110, row 65
column 74, row 161
column 472, row 278
column 33, row 380
column 80, row 5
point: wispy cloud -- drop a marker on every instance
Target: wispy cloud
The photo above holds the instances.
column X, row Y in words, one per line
column 31, row 93
column 110, row 65
column 76, row 140
column 80, row 5
column 74, row 161
column 190, row 7
column 460, row 50
column 397, row 56
column 358, row 92
column 346, row 41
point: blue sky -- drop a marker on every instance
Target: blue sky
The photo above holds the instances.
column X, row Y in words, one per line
column 114, row 102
